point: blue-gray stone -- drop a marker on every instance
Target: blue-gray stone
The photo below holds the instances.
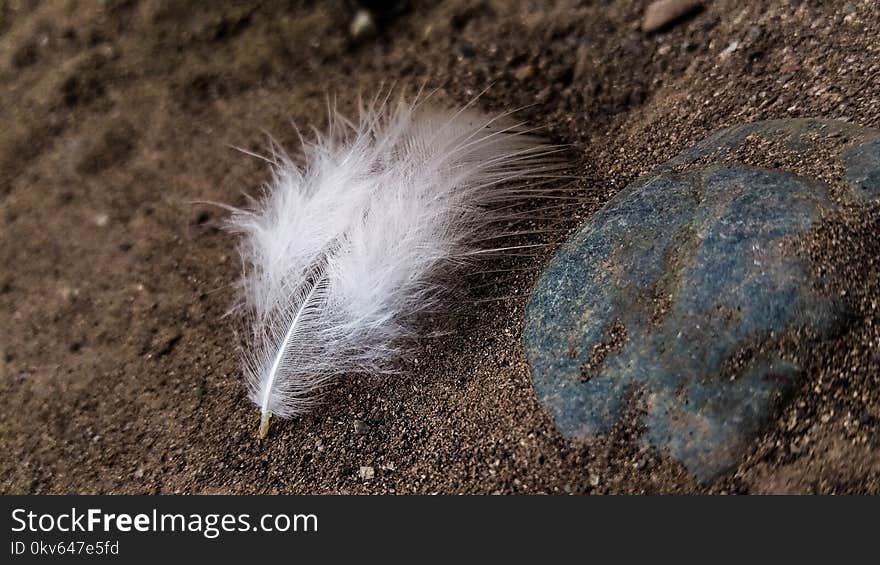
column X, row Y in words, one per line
column 862, row 164
column 678, row 289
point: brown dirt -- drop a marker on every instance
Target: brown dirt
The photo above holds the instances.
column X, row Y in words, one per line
column 119, row 372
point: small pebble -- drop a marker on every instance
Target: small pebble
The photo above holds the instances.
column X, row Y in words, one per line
column 366, row 473
column 68, row 293
column 524, row 73
column 361, row 427
column 733, row 46
column 362, row 26
column 662, row 13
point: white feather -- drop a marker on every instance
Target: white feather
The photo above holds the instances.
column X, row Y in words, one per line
column 342, row 253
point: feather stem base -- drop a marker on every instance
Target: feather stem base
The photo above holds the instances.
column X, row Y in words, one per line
column 264, row 425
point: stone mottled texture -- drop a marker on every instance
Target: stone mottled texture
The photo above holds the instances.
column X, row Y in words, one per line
column 673, row 289
column 863, row 169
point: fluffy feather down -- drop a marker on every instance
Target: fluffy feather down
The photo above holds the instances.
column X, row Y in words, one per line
column 342, row 252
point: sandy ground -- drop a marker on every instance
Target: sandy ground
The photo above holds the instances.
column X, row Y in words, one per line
column 118, row 371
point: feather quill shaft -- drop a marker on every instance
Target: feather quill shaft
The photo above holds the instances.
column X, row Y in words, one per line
column 345, row 249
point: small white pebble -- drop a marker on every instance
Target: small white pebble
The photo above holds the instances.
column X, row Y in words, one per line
column 362, row 26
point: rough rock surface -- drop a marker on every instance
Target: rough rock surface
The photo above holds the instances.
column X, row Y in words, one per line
column 688, row 295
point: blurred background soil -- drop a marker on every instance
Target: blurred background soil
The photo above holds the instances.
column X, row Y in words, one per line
column 118, row 370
